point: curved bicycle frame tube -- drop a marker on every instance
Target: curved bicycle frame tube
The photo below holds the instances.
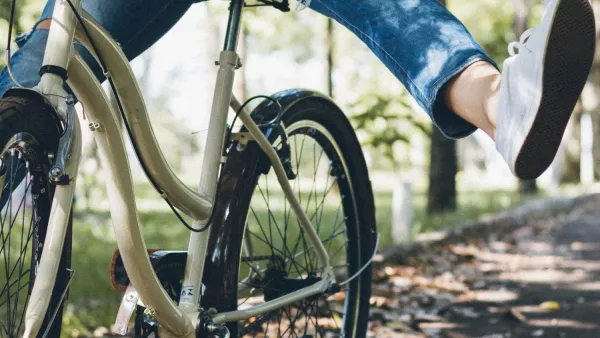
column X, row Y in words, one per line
column 111, row 149
column 197, row 205
column 178, row 322
column 305, row 223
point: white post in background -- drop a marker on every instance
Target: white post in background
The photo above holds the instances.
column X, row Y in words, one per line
column 587, row 143
column 402, row 213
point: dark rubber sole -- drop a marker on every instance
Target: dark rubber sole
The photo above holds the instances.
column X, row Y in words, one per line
column 567, row 64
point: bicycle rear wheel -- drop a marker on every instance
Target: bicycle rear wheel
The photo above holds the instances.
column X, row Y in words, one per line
column 29, row 131
column 328, row 174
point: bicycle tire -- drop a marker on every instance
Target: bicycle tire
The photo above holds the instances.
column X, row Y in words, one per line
column 28, row 117
column 311, row 115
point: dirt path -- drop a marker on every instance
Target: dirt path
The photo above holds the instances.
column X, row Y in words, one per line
column 542, row 280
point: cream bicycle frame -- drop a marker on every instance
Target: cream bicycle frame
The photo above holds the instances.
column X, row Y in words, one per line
column 103, row 114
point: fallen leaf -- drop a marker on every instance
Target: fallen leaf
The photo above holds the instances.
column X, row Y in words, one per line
column 550, row 306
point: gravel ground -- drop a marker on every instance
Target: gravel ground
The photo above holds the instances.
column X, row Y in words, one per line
column 541, row 278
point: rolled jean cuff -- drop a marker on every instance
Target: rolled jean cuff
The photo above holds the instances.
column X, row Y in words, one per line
column 447, row 121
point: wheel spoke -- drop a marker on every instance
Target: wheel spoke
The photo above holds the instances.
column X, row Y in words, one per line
column 319, row 190
column 333, row 319
column 272, row 217
column 17, row 225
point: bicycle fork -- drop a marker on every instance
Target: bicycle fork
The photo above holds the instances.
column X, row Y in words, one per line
column 64, row 171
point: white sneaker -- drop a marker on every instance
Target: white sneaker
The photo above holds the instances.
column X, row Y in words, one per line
column 541, row 83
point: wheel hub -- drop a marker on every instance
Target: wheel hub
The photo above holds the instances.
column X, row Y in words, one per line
column 276, row 282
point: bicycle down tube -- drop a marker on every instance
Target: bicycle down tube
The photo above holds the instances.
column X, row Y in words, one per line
column 178, row 322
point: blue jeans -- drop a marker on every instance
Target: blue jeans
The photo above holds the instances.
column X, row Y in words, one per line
column 419, row 41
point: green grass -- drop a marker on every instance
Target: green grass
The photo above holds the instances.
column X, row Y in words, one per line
column 471, row 205
column 93, row 303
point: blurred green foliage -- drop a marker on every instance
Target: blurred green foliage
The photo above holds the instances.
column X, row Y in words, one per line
column 94, row 304
column 386, row 122
column 26, row 14
column 379, row 107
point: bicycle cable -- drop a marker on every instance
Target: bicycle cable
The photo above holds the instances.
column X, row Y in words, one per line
column 132, row 137
column 366, row 264
column 126, row 123
column 274, row 121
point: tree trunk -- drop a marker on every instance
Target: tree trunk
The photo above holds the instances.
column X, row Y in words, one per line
column 443, row 167
column 526, row 187
column 591, row 98
column 571, row 156
column 441, row 195
column 330, row 52
column 240, row 86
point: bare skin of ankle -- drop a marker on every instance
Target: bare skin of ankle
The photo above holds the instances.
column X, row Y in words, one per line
column 474, row 96
column 44, row 24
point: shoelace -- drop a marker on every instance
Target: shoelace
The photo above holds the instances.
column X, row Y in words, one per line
column 516, row 47
column 302, row 4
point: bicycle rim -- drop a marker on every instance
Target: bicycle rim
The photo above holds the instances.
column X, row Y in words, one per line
column 277, row 257
column 21, row 199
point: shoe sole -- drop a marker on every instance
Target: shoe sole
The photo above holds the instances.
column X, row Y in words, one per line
column 567, row 64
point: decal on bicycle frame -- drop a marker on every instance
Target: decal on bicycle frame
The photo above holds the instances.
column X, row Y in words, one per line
column 187, row 294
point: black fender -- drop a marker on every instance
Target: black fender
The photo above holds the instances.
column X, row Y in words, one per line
column 240, row 174
column 39, row 99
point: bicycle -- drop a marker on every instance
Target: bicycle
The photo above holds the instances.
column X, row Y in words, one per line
column 238, row 276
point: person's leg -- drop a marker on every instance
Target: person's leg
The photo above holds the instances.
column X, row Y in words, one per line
column 474, row 95
column 421, row 43
column 525, row 110
column 134, row 24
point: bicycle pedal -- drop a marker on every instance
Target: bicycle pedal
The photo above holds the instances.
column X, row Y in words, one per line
column 126, row 309
column 169, row 263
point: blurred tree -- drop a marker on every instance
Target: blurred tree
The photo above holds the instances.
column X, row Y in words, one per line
column 526, row 187
column 329, row 38
column 592, row 94
column 240, row 76
column 570, row 157
column 5, row 7
column 270, row 30
column 386, row 122
column 26, row 13
column 443, row 167
column 441, row 195
column 491, row 22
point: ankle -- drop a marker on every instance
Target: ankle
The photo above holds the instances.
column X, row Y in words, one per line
column 490, row 104
column 44, row 24
column 473, row 95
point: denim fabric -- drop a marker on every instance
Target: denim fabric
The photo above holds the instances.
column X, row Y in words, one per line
column 134, row 24
column 419, row 41
column 422, row 43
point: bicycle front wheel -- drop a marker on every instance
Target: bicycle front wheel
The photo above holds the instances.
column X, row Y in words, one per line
column 328, row 173
column 29, row 132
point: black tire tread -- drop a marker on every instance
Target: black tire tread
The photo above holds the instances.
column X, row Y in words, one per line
column 323, row 111
column 31, row 114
